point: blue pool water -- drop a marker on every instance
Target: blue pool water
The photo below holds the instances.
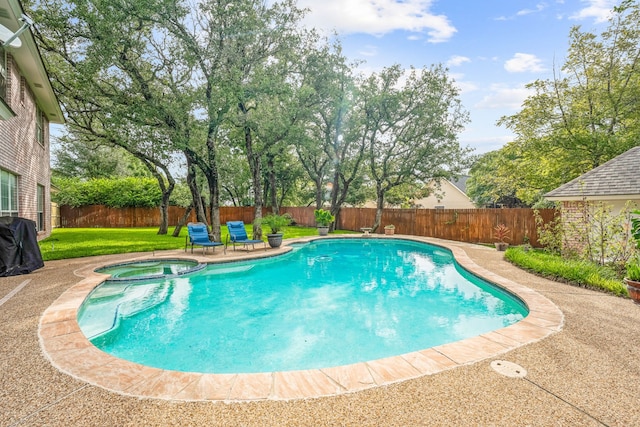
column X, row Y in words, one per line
column 326, row 303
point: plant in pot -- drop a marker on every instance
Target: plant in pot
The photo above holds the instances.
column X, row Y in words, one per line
column 389, row 229
column 276, row 224
column 632, row 280
column 501, row 233
column 323, row 221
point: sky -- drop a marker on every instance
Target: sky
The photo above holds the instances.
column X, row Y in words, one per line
column 492, row 48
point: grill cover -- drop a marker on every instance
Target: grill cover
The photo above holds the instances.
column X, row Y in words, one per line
column 19, row 250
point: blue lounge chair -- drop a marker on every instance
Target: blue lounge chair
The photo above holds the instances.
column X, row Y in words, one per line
column 198, row 235
column 238, row 235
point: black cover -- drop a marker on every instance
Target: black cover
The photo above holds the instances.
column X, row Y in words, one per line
column 19, row 250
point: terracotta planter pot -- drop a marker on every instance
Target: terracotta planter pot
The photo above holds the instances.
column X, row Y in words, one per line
column 389, row 231
column 633, row 288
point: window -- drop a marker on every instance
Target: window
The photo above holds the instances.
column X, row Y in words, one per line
column 39, row 126
column 40, row 222
column 8, row 194
column 3, row 74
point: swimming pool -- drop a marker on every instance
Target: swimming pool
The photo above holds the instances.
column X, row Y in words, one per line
column 327, row 303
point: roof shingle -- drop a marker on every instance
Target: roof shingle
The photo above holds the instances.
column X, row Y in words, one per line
column 619, row 176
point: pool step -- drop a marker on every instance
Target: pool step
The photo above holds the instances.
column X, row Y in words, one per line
column 108, row 306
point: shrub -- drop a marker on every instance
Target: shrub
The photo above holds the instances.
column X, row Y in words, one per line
column 501, row 233
column 550, row 235
column 115, row 193
column 275, row 222
column 323, row 217
column 577, row 272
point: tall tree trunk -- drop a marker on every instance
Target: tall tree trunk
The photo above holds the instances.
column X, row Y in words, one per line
column 166, row 187
column 379, row 209
column 182, row 220
column 254, row 168
column 195, row 193
column 273, row 194
column 164, row 214
column 319, row 193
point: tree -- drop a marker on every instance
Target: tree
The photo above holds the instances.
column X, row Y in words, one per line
column 322, row 148
column 491, row 180
column 238, row 49
column 110, row 72
column 587, row 113
column 410, row 130
column 86, row 159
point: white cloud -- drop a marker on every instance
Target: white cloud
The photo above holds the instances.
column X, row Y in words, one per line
column 539, row 8
column 600, row 10
column 502, row 96
column 457, row 60
column 524, row 62
column 378, row 17
column 368, row 50
column 465, row 86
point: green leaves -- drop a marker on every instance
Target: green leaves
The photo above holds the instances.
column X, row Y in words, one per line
column 587, row 114
column 575, row 272
column 116, row 193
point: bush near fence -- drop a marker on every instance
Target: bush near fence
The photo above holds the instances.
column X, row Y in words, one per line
column 463, row 225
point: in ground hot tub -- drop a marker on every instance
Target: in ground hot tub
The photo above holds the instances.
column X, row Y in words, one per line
column 149, row 269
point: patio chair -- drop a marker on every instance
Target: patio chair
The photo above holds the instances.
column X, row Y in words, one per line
column 198, row 235
column 238, row 235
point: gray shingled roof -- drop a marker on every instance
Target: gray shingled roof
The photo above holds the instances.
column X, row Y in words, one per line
column 619, row 176
column 461, row 183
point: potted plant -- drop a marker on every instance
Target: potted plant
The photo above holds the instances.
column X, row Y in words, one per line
column 323, row 221
column 389, row 229
column 276, row 224
column 501, row 233
column 632, row 280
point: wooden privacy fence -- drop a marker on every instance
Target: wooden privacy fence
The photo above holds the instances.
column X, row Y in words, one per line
column 463, row 225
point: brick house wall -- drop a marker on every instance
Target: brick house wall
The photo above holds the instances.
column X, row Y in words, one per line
column 573, row 213
column 21, row 153
column 575, row 218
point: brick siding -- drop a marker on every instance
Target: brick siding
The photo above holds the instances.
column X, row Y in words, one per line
column 20, row 152
column 574, row 224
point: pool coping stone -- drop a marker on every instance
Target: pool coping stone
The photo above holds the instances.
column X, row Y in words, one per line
column 71, row 352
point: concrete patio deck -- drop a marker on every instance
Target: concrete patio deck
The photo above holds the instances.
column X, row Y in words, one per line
column 586, row 374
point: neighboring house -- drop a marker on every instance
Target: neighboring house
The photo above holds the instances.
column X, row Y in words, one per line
column 615, row 183
column 451, row 195
column 27, row 106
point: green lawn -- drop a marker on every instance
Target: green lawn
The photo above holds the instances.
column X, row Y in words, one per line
column 83, row 242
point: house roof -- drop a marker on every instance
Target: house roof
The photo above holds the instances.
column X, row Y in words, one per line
column 29, row 61
column 460, row 182
column 616, row 179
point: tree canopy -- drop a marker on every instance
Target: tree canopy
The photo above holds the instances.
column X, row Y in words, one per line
column 582, row 117
column 243, row 103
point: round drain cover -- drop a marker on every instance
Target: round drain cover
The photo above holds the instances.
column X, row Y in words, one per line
column 508, row 369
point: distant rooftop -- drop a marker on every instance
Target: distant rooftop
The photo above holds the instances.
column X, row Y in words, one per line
column 618, row 177
column 461, row 183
